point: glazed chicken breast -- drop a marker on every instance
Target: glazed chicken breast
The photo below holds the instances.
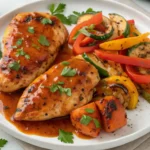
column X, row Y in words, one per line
column 30, row 44
column 63, row 88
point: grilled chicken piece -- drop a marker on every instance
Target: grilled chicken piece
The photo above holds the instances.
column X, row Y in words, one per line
column 45, row 99
column 30, row 45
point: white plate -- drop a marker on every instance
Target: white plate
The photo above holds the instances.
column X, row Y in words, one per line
column 138, row 119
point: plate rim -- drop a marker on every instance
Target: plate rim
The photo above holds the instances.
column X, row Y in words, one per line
column 37, row 142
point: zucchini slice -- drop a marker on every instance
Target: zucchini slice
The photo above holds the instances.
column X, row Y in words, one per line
column 84, row 18
column 141, row 50
column 92, row 59
column 115, row 32
column 99, row 35
column 107, row 34
column 146, row 95
column 122, row 24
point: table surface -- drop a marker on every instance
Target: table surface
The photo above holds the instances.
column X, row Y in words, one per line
column 142, row 143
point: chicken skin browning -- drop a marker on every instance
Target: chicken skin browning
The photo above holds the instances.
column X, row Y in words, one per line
column 63, row 88
column 30, row 44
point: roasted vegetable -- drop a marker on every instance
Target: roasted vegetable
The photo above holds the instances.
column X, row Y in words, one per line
column 121, row 87
column 135, row 61
column 122, row 24
column 92, row 59
column 86, row 120
column 96, row 19
column 77, row 49
column 112, row 113
column 125, row 43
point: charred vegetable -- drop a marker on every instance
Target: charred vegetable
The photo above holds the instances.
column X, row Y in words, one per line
column 92, row 59
column 121, row 87
column 112, row 113
column 86, row 120
column 122, row 24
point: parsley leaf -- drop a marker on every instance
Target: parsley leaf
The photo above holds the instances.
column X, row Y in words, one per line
column 67, row 91
column 2, row 142
column 66, row 137
column 85, row 119
column 21, row 52
column 97, row 123
column 68, row 72
column 27, row 56
column 43, row 41
column 14, row 46
column 63, row 19
column 56, row 10
column 14, row 65
column 58, row 87
column 46, row 21
column 51, row 8
column 73, row 19
column 89, row 110
column 19, row 42
column 36, row 46
column 31, row 30
column 65, row 63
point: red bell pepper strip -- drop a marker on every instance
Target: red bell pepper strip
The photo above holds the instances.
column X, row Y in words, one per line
column 135, row 61
column 131, row 21
column 136, row 77
column 86, row 41
column 77, row 49
column 96, row 19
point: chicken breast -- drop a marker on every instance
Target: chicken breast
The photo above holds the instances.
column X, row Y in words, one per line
column 30, row 45
column 63, row 88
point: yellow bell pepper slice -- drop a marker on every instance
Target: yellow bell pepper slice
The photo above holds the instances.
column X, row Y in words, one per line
column 129, row 85
column 133, row 31
column 125, row 43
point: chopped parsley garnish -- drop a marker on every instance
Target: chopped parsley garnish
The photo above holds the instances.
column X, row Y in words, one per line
column 89, row 110
column 19, row 42
column 85, row 30
column 27, row 56
column 58, row 87
column 97, row 123
column 14, row 46
column 31, row 30
column 71, row 19
column 68, row 72
column 57, row 9
column 58, row 12
column 21, row 52
column 36, row 46
column 63, row 19
column 43, row 41
column 14, row 66
column 85, row 119
column 2, row 142
column 46, row 21
column 65, row 63
column 66, row 137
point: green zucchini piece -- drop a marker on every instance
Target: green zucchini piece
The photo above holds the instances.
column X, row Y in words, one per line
column 102, row 72
column 139, row 49
column 99, row 35
column 146, row 95
column 123, row 26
